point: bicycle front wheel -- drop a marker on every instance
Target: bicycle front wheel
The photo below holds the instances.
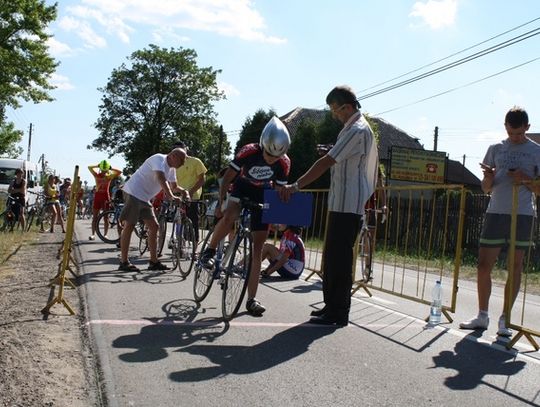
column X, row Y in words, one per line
column 365, row 254
column 162, row 233
column 184, row 247
column 236, row 276
column 204, row 278
column 107, row 227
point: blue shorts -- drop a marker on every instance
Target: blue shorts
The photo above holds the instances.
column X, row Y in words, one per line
column 284, row 273
column 496, row 230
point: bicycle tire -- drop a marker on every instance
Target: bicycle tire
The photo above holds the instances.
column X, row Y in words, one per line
column 184, row 247
column 30, row 215
column 237, row 276
column 43, row 220
column 7, row 222
column 162, row 233
column 365, row 255
column 113, row 234
column 203, row 277
column 143, row 244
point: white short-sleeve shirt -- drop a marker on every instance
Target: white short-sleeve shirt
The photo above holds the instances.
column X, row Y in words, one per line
column 144, row 184
column 354, row 176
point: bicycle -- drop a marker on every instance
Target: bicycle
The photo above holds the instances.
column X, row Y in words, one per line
column 183, row 241
column 7, row 218
column 232, row 265
column 108, row 227
column 366, row 241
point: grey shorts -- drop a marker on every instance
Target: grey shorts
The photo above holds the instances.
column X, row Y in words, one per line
column 135, row 209
column 496, row 230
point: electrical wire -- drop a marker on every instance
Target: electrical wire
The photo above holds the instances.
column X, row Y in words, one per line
column 458, row 87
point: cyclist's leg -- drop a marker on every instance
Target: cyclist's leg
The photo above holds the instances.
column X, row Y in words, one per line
column 225, row 224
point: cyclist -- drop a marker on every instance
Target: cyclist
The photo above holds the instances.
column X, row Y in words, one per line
column 289, row 259
column 102, row 196
column 52, row 198
column 258, row 166
column 17, row 190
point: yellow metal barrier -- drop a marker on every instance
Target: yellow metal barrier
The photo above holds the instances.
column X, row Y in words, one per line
column 424, row 223
column 60, row 278
column 518, row 319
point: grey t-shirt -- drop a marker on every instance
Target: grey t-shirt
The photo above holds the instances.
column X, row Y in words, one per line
column 503, row 157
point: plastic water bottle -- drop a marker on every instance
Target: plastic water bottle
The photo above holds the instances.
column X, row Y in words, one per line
column 436, row 304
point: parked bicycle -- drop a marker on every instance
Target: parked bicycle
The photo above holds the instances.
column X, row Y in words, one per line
column 108, row 227
column 232, row 265
column 7, row 217
column 366, row 242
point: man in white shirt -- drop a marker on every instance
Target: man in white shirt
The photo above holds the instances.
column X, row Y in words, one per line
column 354, row 163
column 156, row 173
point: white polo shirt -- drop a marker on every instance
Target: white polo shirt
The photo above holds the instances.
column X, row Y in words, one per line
column 354, row 176
column 144, row 184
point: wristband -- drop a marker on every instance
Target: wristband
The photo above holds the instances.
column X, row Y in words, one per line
column 295, row 186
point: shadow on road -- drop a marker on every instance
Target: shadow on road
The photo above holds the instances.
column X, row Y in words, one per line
column 473, row 362
column 240, row 360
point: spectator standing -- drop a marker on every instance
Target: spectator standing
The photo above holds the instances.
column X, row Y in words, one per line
column 156, row 173
column 191, row 176
column 514, row 160
column 17, row 189
column 354, row 162
column 103, row 175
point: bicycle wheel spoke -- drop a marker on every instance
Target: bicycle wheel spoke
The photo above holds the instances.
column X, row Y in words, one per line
column 184, row 247
column 203, row 278
column 236, row 278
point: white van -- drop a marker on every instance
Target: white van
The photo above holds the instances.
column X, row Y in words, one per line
column 30, row 173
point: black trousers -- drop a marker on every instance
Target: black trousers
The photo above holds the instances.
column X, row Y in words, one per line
column 343, row 229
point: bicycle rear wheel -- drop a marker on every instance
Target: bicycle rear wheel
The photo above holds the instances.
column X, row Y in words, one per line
column 236, row 276
column 162, row 233
column 365, row 254
column 184, row 246
column 203, row 278
column 107, row 227
column 30, row 215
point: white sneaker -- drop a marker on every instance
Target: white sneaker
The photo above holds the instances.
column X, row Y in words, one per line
column 479, row 322
column 92, row 237
column 503, row 330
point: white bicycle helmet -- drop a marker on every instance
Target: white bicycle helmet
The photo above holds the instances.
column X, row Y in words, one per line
column 275, row 139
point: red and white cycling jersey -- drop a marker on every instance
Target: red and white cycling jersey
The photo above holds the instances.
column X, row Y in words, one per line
column 251, row 164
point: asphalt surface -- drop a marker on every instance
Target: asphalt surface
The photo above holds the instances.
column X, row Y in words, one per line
column 158, row 347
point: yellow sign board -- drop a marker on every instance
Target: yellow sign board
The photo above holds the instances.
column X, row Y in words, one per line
column 415, row 165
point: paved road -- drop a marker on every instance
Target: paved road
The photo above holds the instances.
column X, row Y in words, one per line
column 158, row 347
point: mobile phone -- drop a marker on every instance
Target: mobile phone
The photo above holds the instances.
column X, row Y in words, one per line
column 485, row 166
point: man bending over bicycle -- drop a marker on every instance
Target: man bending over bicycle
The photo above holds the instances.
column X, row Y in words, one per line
column 259, row 167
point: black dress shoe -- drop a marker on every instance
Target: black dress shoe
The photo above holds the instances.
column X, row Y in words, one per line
column 327, row 319
column 318, row 312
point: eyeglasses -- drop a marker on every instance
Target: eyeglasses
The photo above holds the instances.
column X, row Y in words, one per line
column 334, row 111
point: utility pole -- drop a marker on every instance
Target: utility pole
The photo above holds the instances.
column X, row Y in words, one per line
column 29, row 143
column 435, row 138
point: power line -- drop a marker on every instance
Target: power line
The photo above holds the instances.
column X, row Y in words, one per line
column 451, row 55
column 461, row 61
column 459, row 87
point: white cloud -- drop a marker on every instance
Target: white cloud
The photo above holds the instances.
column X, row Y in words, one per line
column 436, row 14
column 231, row 18
column 61, row 82
column 166, row 34
column 228, row 89
column 57, row 48
column 84, row 31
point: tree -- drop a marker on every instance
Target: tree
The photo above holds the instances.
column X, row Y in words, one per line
column 9, row 138
column 163, row 96
column 252, row 128
column 26, row 65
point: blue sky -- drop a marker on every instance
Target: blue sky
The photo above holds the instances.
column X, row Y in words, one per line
column 280, row 55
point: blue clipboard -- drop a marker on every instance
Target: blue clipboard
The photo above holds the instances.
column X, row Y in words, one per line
column 297, row 211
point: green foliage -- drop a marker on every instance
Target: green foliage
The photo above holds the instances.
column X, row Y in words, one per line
column 9, row 138
column 252, row 128
column 162, row 97
column 25, row 65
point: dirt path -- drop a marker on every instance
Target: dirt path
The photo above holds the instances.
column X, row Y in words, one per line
column 43, row 361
